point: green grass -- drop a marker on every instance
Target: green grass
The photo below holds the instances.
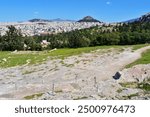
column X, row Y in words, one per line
column 129, row 84
column 33, row 96
column 144, row 86
column 136, row 47
column 9, row 59
column 130, row 96
column 62, row 53
column 81, row 98
column 27, row 72
column 145, row 59
column 13, row 59
column 20, row 59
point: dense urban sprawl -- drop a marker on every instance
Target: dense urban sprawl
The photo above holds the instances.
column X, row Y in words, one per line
column 42, row 28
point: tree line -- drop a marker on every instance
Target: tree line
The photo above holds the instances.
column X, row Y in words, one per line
column 119, row 34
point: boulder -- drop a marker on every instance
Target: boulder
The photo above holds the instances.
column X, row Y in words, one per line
column 117, row 76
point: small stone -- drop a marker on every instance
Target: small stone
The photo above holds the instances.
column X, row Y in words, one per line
column 4, row 59
column 117, row 76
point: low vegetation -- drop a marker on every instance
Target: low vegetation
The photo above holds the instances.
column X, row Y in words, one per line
column 145, row 85
column 33, row 96
column 81, row 98
column 129, row 97
column 136, row 47
column 11, row 59
column 129, row 85
column 145, row 59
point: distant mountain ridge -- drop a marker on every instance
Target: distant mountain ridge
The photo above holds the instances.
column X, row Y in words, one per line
column 145, row 18
column 62, row 20
column 52, row 20
column 39, row 20
column 142, row 19
column 85, row 19
column 132, row 20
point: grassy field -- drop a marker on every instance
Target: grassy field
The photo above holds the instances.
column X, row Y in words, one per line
column 10, row 59
column 145, row 59
column 136, row 47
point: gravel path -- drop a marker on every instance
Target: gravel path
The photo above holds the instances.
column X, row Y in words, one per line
column 87, row 76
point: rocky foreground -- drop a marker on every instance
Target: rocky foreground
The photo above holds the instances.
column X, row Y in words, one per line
column 96, row 75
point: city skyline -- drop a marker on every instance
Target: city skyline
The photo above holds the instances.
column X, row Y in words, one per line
column 103, row 10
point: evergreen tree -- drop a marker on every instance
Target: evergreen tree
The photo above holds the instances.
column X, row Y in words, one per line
column 13, row 39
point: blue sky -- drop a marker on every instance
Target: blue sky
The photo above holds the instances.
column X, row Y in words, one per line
column 104, row 10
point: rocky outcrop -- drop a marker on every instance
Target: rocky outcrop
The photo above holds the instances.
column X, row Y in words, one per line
column 145, row 18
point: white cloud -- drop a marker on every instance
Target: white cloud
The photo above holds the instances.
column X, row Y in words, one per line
column 36, row 12
column 108, row 3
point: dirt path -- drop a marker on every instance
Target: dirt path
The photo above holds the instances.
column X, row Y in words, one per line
column 71, row 78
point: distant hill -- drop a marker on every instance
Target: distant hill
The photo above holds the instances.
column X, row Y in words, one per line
column 132, row 20
column 145, row 18
column 88, row 19
column 62, row 20
column 142, row 19
column 39, row 20
column 52, row 20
